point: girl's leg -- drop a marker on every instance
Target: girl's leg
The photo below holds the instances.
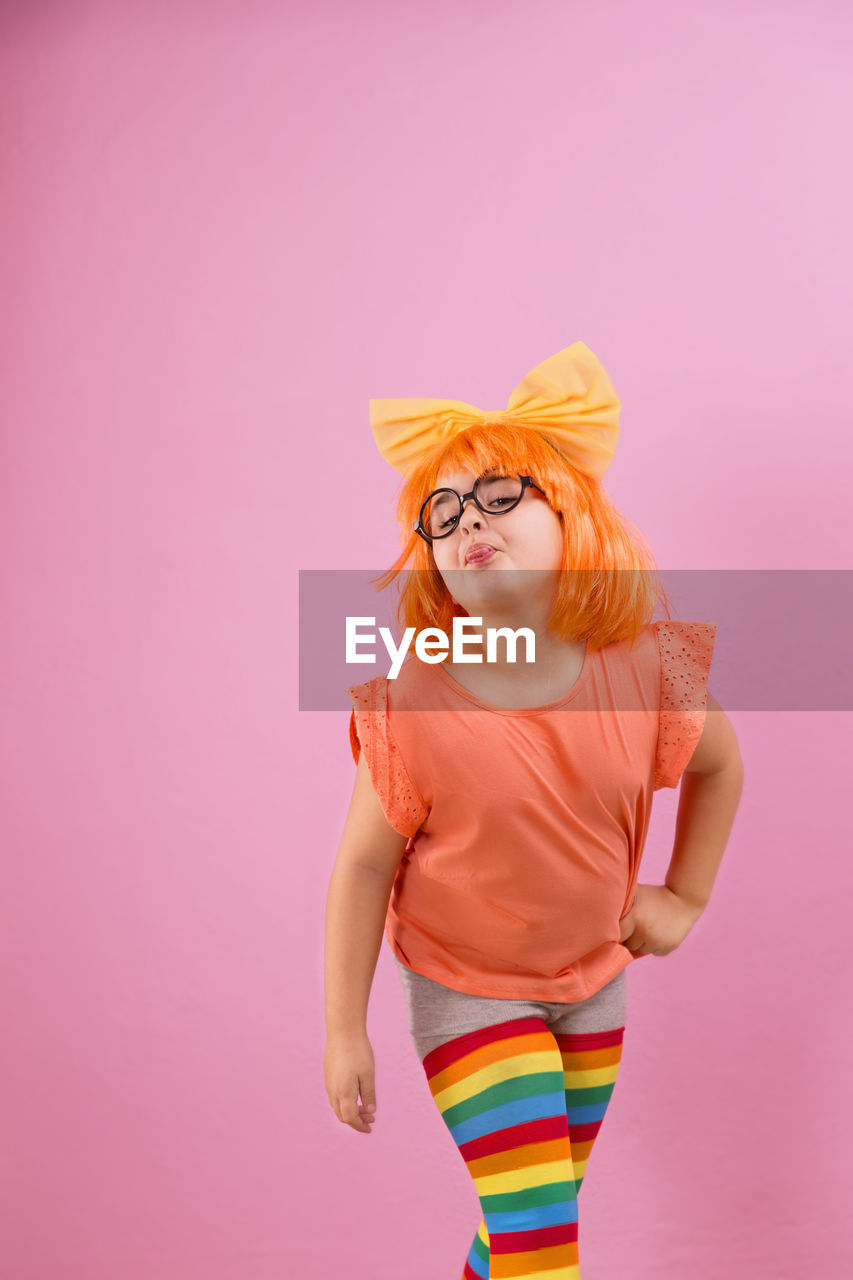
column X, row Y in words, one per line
column 501, row 1092
column 590, row 1067
column 589, row 1036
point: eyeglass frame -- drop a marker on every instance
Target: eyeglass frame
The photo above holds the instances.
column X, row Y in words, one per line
column 527, row 482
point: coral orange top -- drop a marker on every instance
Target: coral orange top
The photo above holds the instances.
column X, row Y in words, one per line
column 526, row 826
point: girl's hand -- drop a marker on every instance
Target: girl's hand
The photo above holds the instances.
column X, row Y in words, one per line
column 658, row 922
column 349, row 1069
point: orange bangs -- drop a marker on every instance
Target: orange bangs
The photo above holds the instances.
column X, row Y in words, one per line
column 614, row 587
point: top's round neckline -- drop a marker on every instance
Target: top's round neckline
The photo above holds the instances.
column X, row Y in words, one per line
column 572, row 693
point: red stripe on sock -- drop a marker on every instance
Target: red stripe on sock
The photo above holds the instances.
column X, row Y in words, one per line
column 527, row 1241
column 589, row 1039
column 444, row 1055
column 545, row 1129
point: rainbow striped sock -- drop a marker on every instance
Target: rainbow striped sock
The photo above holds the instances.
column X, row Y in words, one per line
column 590, row 1066
column 501, row 1092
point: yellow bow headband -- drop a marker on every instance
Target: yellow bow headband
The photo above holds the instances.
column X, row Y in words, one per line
column 568, row 397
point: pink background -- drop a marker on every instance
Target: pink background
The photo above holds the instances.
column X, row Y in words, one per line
column 224, row 228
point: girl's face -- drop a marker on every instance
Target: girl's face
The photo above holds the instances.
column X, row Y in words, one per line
column 529, row 537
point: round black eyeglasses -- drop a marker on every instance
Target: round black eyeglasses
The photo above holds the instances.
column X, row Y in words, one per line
column 441, row 512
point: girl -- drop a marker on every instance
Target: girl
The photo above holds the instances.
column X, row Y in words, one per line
column 495, row 835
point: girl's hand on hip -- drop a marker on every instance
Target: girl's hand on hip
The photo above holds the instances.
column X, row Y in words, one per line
column 658, row 921
column 349, row 1070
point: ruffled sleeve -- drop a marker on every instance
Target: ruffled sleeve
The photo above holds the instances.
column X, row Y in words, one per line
column 686, row 649
column 369, row 730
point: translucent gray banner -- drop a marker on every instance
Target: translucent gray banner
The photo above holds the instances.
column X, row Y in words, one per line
column 783, row 636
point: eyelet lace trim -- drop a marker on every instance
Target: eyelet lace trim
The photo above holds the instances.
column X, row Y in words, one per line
column 369, row 728
column 686, row 649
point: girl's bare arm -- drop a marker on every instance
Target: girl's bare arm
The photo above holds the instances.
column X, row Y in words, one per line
column 368, row 856
column 708, row 801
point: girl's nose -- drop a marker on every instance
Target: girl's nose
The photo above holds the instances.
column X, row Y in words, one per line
column 471, row 515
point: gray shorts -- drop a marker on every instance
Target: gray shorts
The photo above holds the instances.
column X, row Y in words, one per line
column 438, row 1013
